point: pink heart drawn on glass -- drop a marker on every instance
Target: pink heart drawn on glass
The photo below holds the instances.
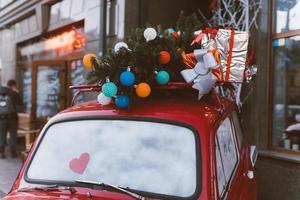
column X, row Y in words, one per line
column 78, row 165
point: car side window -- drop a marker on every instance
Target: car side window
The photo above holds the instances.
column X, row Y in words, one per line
column 226, row 155
column 238, row 129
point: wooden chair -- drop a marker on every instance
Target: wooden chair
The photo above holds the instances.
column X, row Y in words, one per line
column 25, row 129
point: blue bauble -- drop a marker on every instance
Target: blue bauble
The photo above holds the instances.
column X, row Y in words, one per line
column 162, row 77
column 170, row 31
column 127, row 78
column 122, row 101
column 109, row 89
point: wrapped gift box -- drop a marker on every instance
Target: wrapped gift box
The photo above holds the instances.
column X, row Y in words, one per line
column 232, row 48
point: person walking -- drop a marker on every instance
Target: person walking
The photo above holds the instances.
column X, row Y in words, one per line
column 10, row 105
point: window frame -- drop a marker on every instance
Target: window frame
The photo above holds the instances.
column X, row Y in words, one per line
column 224, row 193
column 199, row 161
column 275, row 36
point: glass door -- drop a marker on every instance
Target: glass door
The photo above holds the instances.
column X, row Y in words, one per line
column 48, row 89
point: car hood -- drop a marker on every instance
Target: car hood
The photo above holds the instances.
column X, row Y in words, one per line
column 59, row 195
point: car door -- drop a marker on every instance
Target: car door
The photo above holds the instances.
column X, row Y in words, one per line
column 243, row 185
column 232, row 162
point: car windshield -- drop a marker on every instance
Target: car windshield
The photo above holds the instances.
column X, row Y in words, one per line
column 145, row 156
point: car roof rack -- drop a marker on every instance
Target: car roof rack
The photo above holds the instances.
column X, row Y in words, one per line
column 171, row 86
column 83, row 88
column 97, row 88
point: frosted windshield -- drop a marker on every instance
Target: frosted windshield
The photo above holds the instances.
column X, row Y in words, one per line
column 153, row 157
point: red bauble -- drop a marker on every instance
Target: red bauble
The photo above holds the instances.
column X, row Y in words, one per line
column 164, row 57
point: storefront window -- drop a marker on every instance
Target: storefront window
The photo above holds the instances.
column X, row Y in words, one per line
column 286, row 75
column 286, row 106
column 48, row 91
column 26, row 90
column 287, row 15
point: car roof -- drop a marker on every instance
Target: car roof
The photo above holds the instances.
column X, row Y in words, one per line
column 169, row 105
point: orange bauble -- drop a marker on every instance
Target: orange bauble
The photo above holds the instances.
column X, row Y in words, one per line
column 143, row 90
column 164, row 57
column 87, row 60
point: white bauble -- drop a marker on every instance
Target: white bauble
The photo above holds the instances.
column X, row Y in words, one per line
column 103, row 100
column 119, row 45
column 150, row 34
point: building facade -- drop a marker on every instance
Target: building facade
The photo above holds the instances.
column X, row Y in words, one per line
column 42, row 43
column 273, row 121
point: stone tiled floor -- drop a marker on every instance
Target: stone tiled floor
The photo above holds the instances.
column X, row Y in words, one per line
column 9, row 169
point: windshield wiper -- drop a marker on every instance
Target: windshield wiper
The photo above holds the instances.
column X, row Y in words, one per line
column 48, row 188
column 123, row 190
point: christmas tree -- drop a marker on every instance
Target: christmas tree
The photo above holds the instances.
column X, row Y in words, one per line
column 144, row 58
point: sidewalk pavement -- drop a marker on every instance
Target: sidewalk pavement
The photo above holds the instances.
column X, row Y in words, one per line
column 9, row 169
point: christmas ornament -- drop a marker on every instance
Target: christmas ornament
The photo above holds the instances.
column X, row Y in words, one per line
column 162, row 77
column 127, row 78
column 150, row 34
column 88, row 60
column 173, row 33
column 164, row 57
column 122, row 101
column 170, row 31
column 109, row 89
column 143, row 90
column 120, row 45
column 103, row 100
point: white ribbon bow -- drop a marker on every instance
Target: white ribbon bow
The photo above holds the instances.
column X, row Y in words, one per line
column 201, row 74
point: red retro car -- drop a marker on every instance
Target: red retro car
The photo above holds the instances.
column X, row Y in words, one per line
column 166, row 147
